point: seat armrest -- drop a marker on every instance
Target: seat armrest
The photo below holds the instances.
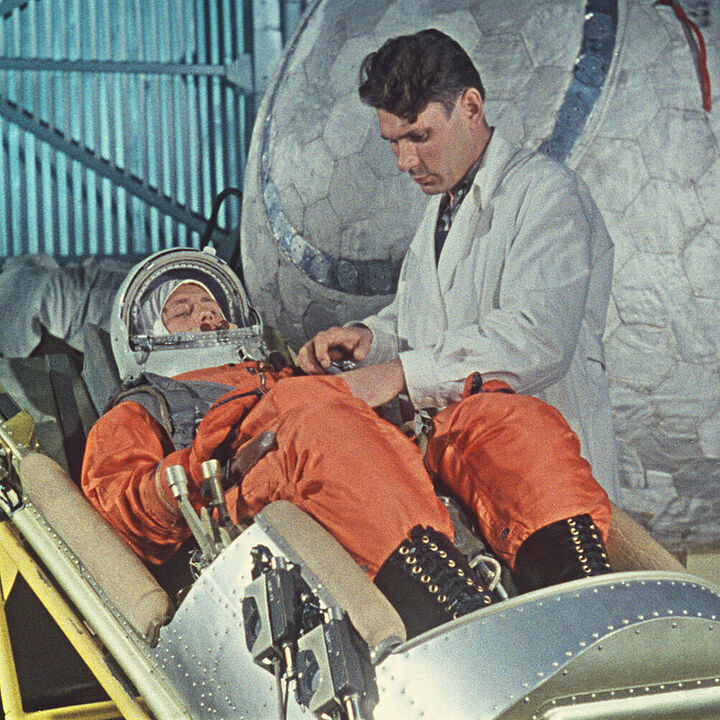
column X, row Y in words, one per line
column 307, row 543
column 122, row 576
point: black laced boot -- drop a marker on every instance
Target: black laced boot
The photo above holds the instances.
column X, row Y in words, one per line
column 564, row 550
column 429, row 581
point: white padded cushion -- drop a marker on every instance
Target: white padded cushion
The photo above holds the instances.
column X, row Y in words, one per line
column 631, row 547
column 114, row 566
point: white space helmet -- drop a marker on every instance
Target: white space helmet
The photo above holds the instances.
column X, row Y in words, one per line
column 140, row 341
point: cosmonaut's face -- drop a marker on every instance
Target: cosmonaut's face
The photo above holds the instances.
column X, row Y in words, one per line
column 190, row 308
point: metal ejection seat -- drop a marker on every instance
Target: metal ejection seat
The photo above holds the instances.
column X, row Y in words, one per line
column 282, row 605
column 69, row 557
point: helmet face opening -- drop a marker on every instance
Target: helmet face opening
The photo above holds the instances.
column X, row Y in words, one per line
column 200, row 297
column 144, row 299
column 143, row 343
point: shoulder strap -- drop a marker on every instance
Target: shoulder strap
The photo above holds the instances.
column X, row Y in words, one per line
column 178, row 406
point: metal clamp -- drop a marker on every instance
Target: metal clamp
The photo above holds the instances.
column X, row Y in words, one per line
column 287, row 632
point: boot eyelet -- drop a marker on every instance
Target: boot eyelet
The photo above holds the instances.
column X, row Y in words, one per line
column 416, row 570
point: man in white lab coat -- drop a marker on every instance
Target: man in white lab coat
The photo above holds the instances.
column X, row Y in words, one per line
column 507, row 279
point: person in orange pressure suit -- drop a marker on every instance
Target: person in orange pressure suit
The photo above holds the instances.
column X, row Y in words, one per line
column 179, row 320
column 352, row 471
column 336, row 458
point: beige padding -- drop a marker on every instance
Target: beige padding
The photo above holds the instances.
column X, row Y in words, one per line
column 113, row 565
column 310, row 545
column 631, row 547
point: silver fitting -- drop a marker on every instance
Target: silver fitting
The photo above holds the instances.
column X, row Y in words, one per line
column 177, row 481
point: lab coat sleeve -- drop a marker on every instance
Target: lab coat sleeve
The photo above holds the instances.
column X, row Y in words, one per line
column 529, row 335
column 383, row 325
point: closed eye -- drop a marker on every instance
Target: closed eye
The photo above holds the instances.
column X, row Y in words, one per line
column 180, row 313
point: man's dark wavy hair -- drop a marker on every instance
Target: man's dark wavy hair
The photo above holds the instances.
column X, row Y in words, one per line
column 410, row 71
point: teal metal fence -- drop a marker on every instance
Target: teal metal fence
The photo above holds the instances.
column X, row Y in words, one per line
column 121, row 120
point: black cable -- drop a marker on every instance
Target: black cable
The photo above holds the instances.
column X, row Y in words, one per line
column 212, row 226
column 287, row 697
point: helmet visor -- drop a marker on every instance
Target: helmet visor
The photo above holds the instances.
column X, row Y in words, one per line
column 145, row 308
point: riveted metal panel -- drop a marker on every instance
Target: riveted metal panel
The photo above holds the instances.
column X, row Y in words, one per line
column 666, row 667
column 491, row 660
column 505, row 662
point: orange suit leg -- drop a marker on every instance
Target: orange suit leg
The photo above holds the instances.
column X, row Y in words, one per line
column 355, row 473
column 515, row 463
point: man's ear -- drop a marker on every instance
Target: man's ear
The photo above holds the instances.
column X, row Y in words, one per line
column 473, row 106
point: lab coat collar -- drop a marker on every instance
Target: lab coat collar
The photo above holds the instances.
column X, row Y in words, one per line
column 492, row 168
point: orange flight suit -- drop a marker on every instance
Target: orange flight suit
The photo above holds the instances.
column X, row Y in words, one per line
column 512, row 459
column 336, row 459
column 514, row 462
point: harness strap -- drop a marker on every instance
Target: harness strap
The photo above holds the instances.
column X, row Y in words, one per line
column 177, row 406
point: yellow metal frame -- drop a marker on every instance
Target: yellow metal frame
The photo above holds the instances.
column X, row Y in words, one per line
column 17, row 438
column 14, row 560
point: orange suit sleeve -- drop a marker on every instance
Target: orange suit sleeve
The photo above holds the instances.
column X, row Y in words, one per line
column 123, row 478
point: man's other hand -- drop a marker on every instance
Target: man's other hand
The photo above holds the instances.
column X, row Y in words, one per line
column 334, row 344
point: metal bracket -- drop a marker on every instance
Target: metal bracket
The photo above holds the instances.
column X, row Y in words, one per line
column 17, row 439
column 287, row 632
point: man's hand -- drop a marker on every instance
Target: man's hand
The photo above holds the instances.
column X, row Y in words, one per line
column 335, row 343
column 376, row 384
